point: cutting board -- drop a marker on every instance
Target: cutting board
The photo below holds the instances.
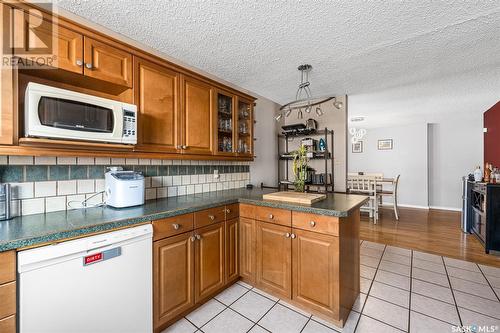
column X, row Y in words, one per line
column 295, row 197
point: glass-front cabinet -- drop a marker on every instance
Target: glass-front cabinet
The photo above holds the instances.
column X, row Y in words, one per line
column 244, row 142
column 225, row 123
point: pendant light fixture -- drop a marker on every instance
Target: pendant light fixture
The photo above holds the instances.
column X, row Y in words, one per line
column 304, row 100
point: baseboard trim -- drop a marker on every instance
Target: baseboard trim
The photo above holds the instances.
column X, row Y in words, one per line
column 405, row 206
column 454, row 209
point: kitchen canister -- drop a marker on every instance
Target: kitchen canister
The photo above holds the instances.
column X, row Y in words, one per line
column 5, row 197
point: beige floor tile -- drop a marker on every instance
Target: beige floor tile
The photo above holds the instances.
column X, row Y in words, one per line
column 428, row 265
column 349, row 325
column 228, row 322
column 244, row 284
column 466, row 275
column 263, row 293
column 204, row 313
column 470, row 318
column 392, row 279
column 370, row 252
column 473, row 288
column 369, row 261
column 478, row 304
column 253, row 305
column 390, row 294
column 386, row 312
column 257, row 329
column 394, row 267
column 432, row 290
column 397, row 250
column 429, row 276
column 359, row 303
column 281, row 319
column 490, row 270
column 470, row 266
column 373, row 245
column 434, row 308
column 494, row 281
column 364, row 285
column 231, row 294
column 294, row 308
column 428, row 256
column 369, row 325
column 404, row 260
column 367, row 272
column 180, row 326
column 423, row 324
column 315, row 327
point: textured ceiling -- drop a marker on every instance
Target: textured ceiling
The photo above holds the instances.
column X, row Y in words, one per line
column 355, row 47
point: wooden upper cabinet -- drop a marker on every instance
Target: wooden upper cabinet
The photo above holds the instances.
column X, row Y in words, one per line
column 226, row 123
column 34, row 34
column 232, row 251
column 315, row 282
column 173, row 277
column 157, row 97
column 198, row 118
column 274, row 258
column 209, row 261
column 244, row 127
column 107, row 63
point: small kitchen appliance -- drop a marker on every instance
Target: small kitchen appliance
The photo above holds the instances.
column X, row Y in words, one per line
column 124, row 188
column 5, row 198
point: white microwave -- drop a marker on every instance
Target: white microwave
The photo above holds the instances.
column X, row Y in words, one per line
column 51, row 112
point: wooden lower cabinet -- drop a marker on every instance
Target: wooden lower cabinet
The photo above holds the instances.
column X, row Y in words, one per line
column 247, row 244
column 232, row 251
column 209, row 261
column 274, row 259
column 173, row 278
column 315, row 271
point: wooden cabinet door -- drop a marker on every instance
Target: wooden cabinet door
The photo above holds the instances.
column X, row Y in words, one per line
column 232, row 255
column 157, row 90
column 36, row 34
column 173, row 277
column 198, row 118
column 8, row 89
column 209, row 261
column 247, row 249
column 244, row 127
column 274, row 256
column 107, row 63
column 315, row 282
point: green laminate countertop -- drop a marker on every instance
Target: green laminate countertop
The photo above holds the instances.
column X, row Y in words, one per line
column 31, row 230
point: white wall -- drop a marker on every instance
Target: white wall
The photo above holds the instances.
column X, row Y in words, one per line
column 407, row 158
column 455, row 148
column 264, row 168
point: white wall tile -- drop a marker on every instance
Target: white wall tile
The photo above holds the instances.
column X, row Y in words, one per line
column 172, row 191
column 131, row 161
column 195, row 162
column 4, row 160
column 202, row 179
column 45, row 160
column 190, row 189
column 117, row 161
column 161, row 192
column 144, row 161
column 54, row 204
column 147, row 182
column 181, row 190
column 186, row 180
column 166, row 162
column 185, row 162
column 45, row 189
column 99, row 185
column 102, row 161
column 194, row 179
column 198, row 188
column 33, row 206
column 155, row 162
column 66, row 187
column 156, row 181
column 167, row 180
column 85, row 186
column 176, row 180
column 176, row 162
column 66, row 160
column 94, row 199
column 209, row 178
column 220, row 187
column 150, row 193
column 85, row 160
column 213, row 187
column 22, row 190
column 206, row 188
column 21, row 160
column 15, row 208
column 74, row 201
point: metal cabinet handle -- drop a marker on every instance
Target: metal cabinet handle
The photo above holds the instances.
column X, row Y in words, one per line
column 287, row 235
column 211, row 217
column 228, row 210
column 271, row 216
column 176, row 226
column 79, row 63
column 179, row 147
column 198, row 237
column 184, row 147
column 293, row 236
column 89, row 65
column 312, row 223
column 192, row 238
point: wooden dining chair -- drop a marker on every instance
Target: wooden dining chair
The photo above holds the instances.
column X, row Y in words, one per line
column 391, row 193
column 365, row 185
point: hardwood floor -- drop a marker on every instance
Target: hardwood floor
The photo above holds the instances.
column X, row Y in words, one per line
column 433, row 231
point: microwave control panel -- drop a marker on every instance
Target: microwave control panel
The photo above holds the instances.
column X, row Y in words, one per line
column 129, row 126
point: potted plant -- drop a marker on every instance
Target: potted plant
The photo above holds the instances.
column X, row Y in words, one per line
column 299, row 167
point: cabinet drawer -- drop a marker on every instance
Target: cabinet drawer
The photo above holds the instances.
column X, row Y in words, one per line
column 8, row 297
column 172, row 226
column 317, row 223
column 8, row 325
column 247, row 211
column 209, row 216
column 232, row 211
column 273, row 215
column 7, row 266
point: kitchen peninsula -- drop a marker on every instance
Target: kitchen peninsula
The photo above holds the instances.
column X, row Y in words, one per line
column 308, row 255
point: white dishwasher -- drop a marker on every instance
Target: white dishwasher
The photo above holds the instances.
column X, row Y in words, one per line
column 97, row 284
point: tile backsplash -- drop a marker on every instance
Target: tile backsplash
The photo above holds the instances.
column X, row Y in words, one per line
column 47, row 184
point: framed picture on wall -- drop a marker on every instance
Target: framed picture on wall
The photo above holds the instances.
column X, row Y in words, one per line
column 385, row 144
column 357, row 147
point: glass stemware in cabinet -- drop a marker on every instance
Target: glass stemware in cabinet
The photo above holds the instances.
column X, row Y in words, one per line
column 225, row 123
column 244, row 127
